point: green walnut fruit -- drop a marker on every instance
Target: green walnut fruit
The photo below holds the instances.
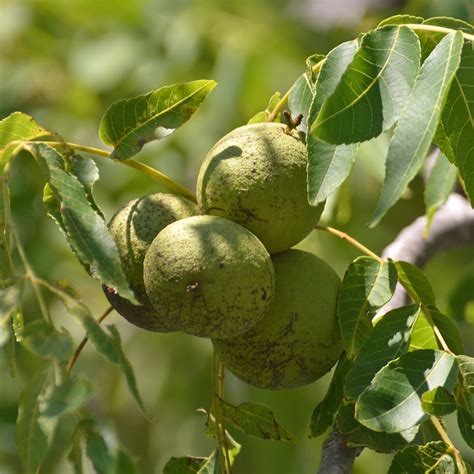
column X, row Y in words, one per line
column 298, row 340
column 256, row 176
column 209, row 275
column 133, row 229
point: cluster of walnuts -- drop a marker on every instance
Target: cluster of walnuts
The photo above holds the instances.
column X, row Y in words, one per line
column 224, row 268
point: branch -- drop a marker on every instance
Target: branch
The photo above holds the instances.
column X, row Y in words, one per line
column 452, row 227
column 337, row 457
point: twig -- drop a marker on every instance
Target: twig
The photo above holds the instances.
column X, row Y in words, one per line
column 337, row 457
column 79, row 348
column 444, row 436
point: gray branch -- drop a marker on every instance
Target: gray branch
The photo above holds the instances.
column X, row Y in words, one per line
column 452, row 226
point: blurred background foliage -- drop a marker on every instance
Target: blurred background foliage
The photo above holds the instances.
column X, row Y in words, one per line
column 64, row 62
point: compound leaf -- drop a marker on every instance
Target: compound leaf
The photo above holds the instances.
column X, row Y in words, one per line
column 418, row 122
column 129, row 124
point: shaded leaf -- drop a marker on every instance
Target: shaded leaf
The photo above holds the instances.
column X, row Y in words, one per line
column 328, row 164
column 392, row 403
column 75, row 455
column 324, row 412
column 415, row 282
column 127, row 369
column 438, row 187
column 31, row 440
column 448, row 329
column 367, row 285
column 255, row 419
column 65, row 398
column 373, row 89
column 105, row 451
column 418, row 122
column 438, row 402
column 16, row 127
column 456, row 129
column 85, row 229
column 299, row 100
column 359, row 435
column 434, row 457
column 388, row 340
column 466, row 370
column 46, row 342
column 129, row 124
column 192, row 465
column 466, row 425
column 462, row 294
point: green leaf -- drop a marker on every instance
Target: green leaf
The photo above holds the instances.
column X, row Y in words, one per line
column 400, row 20
column 456, row 129
column 257, row 420
column 129, row 124
column 75, row 455
column 324, row 412
column 46, row 342
column 418, row 121
column 328, row 164
column 31, row 440
column 448, row 329
column 434, row 457
column 388, row 340
column 465, row 398
column 358, row 435
column 466, row 425
column 87, row 173
column 85, row 229
column 299, row 100
column 65, row 398
column 438, row 187
column 17, row 127
column 126, row 367
column 462, row 294
column 438, row 402
column 192, row 465
column 264, row 114
column 415, row 282
column 104, row 450
column 423, row 336
column 374, row 88
column 9, row 303
column 392, row 403
column 367, row 285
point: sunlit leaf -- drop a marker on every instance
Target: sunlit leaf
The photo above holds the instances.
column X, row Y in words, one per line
column 328, row 164
column 129, row 124
column 400, row 20
column 435, row 457
column 31, row 440
column 17, row 127
column 438, row 402
column 423, row 336
column 392, row 403
column 46, row 342
column 367, row 285
column 255, row 419
column 324, row 412
column 373, row 89
column 389, row 339
column 418, row 122
column 438, row 187
column 299, row 100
